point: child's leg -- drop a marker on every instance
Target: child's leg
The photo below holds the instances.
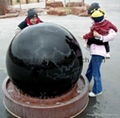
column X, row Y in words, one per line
column 106, row 44
column 107, row 47
column 96, row 63
column 86, row 45
column 90, row 41
column 94, row 41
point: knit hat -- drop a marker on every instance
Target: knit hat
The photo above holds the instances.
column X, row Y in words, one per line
column 92, row 7
column 32, row 13
column 97, row 15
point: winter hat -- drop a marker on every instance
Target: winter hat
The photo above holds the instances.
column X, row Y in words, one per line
column 97, row 15
column 32, row 13
column 92, row 7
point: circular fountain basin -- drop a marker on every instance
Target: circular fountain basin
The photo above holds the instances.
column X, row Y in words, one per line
column 68, row 105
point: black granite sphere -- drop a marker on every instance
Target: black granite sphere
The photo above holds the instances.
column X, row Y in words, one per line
column 44, row 60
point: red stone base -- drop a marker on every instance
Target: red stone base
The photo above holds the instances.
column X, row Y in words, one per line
column 66, row 106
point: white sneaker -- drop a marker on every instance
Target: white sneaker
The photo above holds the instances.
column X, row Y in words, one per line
column 107, row 56
column 91, row 94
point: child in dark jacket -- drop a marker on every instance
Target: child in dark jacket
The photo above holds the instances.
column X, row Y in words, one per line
column 31, row 19
column 100, row 27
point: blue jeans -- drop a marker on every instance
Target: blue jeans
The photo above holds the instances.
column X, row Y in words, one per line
column 94, row 71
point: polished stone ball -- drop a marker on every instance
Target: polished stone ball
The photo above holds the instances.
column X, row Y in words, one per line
column 44, row 60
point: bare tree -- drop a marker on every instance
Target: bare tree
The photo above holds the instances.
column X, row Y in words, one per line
column 4, row 3
column 3, row 6
column 11, row 2
column 19, row 1
column 83, row 2
column 27, row 1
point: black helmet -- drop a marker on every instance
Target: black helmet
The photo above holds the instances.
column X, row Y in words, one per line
column 32, row 13
column 92, row 7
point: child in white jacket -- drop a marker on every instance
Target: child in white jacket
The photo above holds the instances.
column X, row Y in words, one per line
column 98, row 52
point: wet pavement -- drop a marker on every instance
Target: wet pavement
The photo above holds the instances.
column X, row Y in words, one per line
column 108, row 104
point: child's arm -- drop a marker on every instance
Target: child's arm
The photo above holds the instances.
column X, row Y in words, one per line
column 111, row 36
column 96, row 34
column 88, row 35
